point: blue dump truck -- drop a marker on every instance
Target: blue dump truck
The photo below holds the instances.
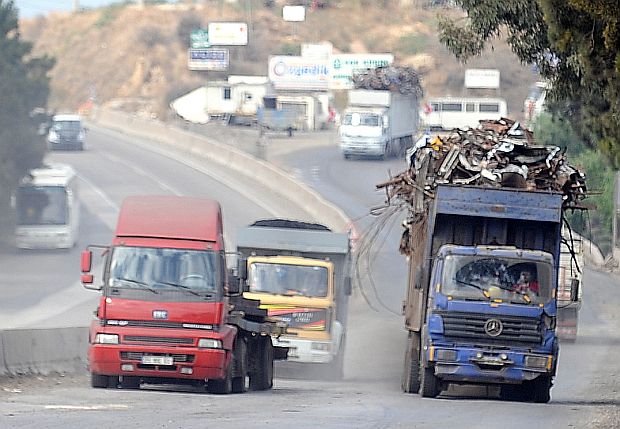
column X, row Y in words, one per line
column 483, row 255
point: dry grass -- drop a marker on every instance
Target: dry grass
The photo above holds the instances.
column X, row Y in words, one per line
column 123, row 52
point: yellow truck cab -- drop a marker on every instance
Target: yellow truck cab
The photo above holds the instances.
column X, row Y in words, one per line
column 300, row 273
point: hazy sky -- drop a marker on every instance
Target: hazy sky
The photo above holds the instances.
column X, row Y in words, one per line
column 32, row 8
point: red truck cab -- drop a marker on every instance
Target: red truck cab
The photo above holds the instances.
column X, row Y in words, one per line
column 162, row 316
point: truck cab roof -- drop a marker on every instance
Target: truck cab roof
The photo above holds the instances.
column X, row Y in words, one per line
column 170, row 217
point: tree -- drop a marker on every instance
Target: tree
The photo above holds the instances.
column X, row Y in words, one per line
column 24, row 86
column 574, row 43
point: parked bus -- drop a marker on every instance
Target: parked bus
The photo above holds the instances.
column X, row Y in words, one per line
column 447, row 113
column 47, row 208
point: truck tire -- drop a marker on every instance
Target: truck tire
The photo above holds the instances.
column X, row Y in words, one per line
column 430, row 385
column 512, row 392
column 130, row 382
column 335, row 369
column 240, row 372
column 410, row 381
column 102, row 381
column 223, row 386
column 540, row 389
column 262, row 377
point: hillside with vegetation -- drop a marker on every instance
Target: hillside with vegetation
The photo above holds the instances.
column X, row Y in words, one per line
column 139, row 55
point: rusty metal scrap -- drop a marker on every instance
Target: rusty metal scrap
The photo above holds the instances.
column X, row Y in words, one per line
column 496, row 154
column 392, row 78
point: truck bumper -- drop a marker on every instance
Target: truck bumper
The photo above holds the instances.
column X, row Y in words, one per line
column 43, row 240
column 470, row 365
column 363, row 147
column 187, row 363
column 307, row 351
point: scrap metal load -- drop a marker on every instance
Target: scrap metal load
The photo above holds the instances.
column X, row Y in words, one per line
column 495, row 154
column 390, row 78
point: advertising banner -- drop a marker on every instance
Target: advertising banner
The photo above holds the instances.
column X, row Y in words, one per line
column 298, row 73
column 342, row 67
column 211, row 59
column 228, row 33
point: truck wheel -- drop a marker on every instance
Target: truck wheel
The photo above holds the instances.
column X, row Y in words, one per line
column 511, row 392
column 430, row 385
column 335, row 370
column 130, row 382
column 410, row 381
column 102, row 381
column 241, row 367
column 262, row 378
column 541, row 389
column 224, row 386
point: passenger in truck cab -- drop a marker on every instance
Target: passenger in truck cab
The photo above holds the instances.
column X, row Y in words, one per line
column 526, row 283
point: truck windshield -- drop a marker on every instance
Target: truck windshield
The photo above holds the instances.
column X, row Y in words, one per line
column 290, row 280
column 506, row 279
column 364, row 119
column 41, row 205
column 67, row 126
column 193, row 271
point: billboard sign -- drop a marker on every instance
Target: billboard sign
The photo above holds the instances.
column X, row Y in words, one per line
column 210, row 59
column 294, row 13
column 482, row 78
column 292, row 72
column 228, row 33
column 342, row 67
column 199, row 39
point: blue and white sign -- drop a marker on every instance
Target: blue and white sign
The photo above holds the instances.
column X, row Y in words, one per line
column 291, row 72
column 342, row 67
column 211, row 59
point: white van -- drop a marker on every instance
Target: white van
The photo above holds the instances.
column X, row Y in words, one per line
column 66, row 132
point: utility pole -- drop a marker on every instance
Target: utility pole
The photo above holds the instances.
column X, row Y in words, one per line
column 76, row 6
column 614, row 225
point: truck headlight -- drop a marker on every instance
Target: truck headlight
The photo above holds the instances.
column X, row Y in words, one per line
column 106, row 339
column 445, row 355
column 53, row 136
column 209, row 343
column 538, row 362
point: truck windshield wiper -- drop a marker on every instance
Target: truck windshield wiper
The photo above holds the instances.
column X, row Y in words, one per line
column 187, row 288
column 475, row 286
column 136, row 282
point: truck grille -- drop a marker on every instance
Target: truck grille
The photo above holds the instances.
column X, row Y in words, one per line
column 137, row 356
column 157, row 340
column 158, row 324
column 469, row 327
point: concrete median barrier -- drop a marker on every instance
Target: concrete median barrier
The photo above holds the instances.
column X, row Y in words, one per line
column 263, row 172
column 42, row 351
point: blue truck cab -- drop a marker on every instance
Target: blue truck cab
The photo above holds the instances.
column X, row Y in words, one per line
column 481, row 302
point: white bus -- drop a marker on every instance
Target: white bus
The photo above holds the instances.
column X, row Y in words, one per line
column 446, row 113
column 47, row 208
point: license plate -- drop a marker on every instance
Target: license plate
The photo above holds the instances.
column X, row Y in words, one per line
column 157, row 360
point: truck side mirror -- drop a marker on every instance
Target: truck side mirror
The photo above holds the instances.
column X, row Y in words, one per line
column 86, row 261
column 242, row 268
column 233, row 285
column 348, row 289
column 574, row 290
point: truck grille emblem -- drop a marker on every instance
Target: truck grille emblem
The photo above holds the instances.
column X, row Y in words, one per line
column 493, row 327
column 160, row 314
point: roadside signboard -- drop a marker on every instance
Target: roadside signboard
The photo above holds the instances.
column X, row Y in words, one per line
column 342, row 67
column 228, row 33
column 317, row 50
column 482, row 78
column 294, row 13
column 292, row 72
column 199, row 39
column 209, row 59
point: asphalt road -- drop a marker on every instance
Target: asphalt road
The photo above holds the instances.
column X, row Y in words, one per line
column 44, row 293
